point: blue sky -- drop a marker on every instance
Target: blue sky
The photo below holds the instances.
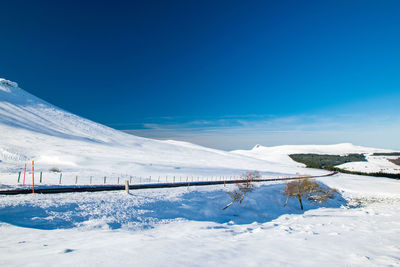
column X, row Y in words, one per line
column 225, row 74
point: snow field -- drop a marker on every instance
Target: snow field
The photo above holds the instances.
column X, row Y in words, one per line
column 180, row 227
column 373, row 164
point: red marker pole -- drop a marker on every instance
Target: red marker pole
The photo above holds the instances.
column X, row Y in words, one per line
column 23, row 184
column 33, row 177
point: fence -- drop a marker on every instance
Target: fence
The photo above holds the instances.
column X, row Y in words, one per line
column 159, row 184
column 61, row 178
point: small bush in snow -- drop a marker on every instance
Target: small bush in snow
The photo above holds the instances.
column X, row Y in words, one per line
column 308, row 189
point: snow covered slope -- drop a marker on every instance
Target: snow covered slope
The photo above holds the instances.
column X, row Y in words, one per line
column 32, row 129
column 373, row 164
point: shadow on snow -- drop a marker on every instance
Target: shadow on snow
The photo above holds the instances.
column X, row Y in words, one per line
column 264, row 204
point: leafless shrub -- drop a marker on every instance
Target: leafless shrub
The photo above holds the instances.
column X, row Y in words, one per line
column 308, row 189
column 243, row 187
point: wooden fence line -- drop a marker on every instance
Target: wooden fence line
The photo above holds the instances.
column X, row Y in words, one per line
column 69, row 189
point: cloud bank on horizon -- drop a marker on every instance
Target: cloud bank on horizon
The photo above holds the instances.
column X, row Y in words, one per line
column 230, row 133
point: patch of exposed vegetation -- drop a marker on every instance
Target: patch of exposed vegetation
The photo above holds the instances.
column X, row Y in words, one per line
column 323, row 161
column 328, row 162
column 387, row 154
column 54, row 169
column 377, row 174
column 395, row 161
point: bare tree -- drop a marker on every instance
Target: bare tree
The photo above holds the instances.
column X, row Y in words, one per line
column 243, row 187
column 308, row 189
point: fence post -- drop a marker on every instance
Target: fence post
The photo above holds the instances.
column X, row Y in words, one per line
column 41, row 173
column 76, row 179
column 19, row 176
column 127, row 186
column 59, row 182
column 158, row 179
column 33, row 177
column 118, row 180
column 105, row 179
column 23, row 183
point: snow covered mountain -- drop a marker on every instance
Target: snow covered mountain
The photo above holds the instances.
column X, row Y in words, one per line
column 32, row 129
column 281, row 154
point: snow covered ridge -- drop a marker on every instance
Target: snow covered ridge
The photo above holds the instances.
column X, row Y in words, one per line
column 335, row 149
column 6, row 84
column 33, row 129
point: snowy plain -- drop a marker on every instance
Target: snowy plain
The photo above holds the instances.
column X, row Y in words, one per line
column 179, row 226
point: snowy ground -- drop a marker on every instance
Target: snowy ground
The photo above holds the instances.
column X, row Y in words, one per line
column 187, row 226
